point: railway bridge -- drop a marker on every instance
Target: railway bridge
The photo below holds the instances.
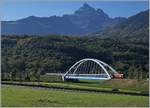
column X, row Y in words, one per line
column 91, row 69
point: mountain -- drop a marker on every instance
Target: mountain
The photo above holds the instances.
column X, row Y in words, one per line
column 135, row 27
column 85, row 20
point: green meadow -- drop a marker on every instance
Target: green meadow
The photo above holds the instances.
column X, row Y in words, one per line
column 124, row 85
column 13, row 96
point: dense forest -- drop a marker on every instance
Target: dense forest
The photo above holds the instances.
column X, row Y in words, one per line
column 31, row 56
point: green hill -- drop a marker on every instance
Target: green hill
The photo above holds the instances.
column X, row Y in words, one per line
column 31, row 55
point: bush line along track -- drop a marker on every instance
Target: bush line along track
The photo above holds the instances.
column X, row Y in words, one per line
column 76, row 89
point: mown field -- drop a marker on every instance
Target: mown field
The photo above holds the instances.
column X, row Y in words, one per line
column 13, row 96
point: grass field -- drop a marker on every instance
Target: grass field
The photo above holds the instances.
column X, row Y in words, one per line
column 124, row 85
column 30, row 97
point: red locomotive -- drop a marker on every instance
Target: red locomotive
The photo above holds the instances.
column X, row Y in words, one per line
column 118, row 76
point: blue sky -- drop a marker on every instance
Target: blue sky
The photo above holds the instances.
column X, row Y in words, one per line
column 15, row 9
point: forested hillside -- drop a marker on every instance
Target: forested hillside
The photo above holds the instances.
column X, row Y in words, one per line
column 135, row 27
column 32, row 55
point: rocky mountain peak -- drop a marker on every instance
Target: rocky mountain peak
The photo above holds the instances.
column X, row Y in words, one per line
column 86, row 8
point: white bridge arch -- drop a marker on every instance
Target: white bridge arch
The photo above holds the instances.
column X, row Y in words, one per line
column 90, row 69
